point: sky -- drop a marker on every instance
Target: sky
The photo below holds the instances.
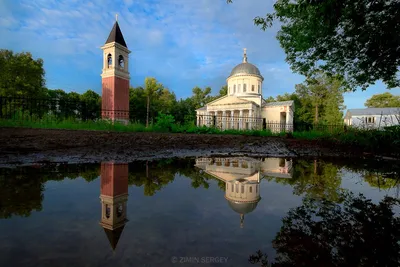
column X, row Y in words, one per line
column 182, row 43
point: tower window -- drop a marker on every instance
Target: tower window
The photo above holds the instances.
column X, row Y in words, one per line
column 244, row 88
column 121, row 62
column 109, row 60
column 242, row 187
column 252, row 88
column 232, row 187
column 259, row 87
column 108, row 211
column 119, row 210
column 250, row 189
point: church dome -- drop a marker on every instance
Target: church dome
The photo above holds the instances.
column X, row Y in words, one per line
column 246, row 68
column 242, row 208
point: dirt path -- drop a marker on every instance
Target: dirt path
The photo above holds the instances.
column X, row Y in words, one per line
column 21, row 145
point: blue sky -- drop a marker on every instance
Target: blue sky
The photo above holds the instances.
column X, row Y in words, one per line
column 182, row 43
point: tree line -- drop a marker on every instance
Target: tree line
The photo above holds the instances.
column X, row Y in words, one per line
column 319, row 99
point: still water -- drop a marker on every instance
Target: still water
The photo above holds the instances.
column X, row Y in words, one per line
column 201, row 212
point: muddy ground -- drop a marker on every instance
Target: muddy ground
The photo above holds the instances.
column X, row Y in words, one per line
column 24, row 146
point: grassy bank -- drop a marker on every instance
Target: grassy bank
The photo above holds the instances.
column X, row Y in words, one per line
column 376, row 141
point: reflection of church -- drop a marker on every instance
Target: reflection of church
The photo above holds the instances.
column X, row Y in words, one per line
column 114, row 197
column 242, row 178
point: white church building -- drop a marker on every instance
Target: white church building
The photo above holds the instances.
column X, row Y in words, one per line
column 244, row 107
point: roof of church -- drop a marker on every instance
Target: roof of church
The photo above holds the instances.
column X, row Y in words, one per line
column 116, row 36
column 246, row 68
column 114, row 236
column 242, row 208
column 279, row 103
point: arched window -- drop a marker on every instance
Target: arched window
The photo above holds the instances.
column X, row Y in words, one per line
column 252, row 88
column 242, row 189
column 250, row 189
column 108, row 211
column 109, row 60
column 234, row 88
column 119, row 210
column 232, row 188
column 244, row 88
column 121, row 62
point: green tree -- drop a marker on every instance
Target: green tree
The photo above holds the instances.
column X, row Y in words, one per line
column 321, row 98
column 357, row 39
column 137, row 104
column 21, row 75
column 385, row 100
column 151, row 88
column 201, row 96
column 92, row 106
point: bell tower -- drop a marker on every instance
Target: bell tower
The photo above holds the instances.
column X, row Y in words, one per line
column 114, row 197
column 115, row 77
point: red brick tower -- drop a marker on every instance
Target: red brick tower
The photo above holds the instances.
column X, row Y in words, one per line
column 114, row 196
column 115, row 77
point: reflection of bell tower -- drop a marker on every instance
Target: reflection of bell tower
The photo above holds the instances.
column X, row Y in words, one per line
column 114, row 196
column 115, row 77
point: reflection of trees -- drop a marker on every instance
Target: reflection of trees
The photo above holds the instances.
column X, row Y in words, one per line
column 155, row 175
column 378, row 180
column 19, row 194
column 315, row 179
column 324, row 233
column 21, row 190
column 152, row 175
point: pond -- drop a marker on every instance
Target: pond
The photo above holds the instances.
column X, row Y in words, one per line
column 201, row 211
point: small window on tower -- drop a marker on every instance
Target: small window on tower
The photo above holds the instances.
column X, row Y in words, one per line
column 259, row 87
column 244, row 88
column 252, row 88
column 119, row 210
column 108, row 211
column 109, row 60
column 121, row 62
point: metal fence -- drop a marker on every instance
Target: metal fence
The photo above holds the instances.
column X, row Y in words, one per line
column 20, row 108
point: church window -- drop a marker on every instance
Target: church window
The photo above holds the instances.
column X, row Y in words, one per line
column 121, row 62
column 242, row 189
column 252, row 88
column 250, row 189
column 234, row 88
column 109, row 60
column 108, row 211
column 244, row 88
column 119, row 210
column 239, row 87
